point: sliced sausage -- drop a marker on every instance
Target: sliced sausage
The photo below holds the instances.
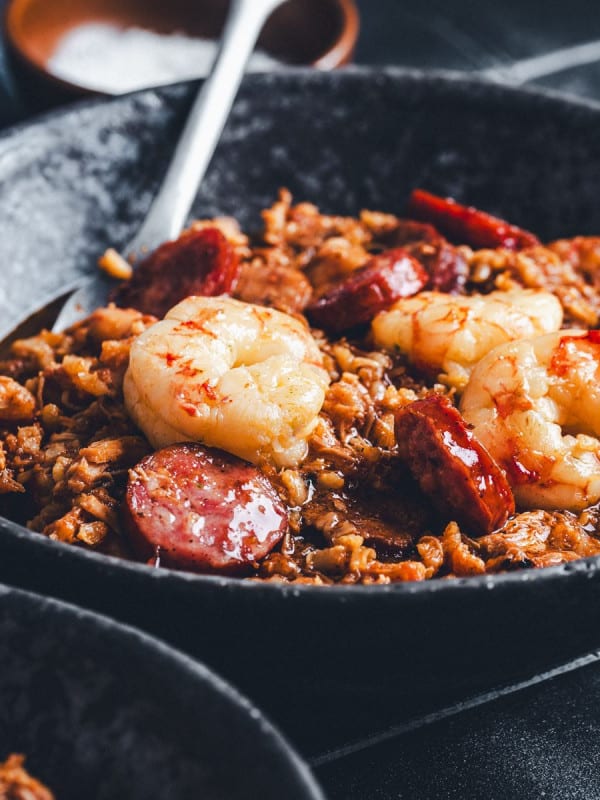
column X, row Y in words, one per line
column 384, row 279
column 201, row 262
column 468, row 225
column 582, row 253
column 408, row 231
column 452, row 467
column 202, row 510
column 447, row 268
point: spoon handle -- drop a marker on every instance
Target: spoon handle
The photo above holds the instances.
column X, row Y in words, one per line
column 203, row 129
column 536, row 67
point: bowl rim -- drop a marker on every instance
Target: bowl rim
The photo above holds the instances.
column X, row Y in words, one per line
column 188, row 669
column 169, row 578
column 337, row 55
column 137, row 571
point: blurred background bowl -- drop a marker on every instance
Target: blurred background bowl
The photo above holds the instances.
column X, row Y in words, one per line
column 319, row 33
column 103, row 711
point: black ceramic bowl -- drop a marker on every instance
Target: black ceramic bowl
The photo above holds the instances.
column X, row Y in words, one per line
column 328, row 662
column 103, row 711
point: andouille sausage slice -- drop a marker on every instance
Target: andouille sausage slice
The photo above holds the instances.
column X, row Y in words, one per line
column 201, row 262
column 202, row 510
column 384, row 279
column 468, row 225
column 452, row 467
column 446, row 266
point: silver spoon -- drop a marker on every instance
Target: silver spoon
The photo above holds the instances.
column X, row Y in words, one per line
column 531, row 69
column 194, row 151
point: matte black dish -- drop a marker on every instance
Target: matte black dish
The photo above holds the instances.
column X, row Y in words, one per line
column 354, row 657
column 103, row 711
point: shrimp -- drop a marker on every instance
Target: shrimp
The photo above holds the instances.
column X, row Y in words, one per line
column 240, row 377
column 446, row 334
column 535, row 405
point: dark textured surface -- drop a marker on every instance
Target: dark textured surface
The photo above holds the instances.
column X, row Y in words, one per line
column 474, row 35
column 330, row 664
column 103, row 712
column 539, row 743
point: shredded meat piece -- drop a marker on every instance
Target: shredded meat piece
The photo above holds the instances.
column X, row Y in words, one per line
column 536, row 538
column 268, row 283
column 113, row 323
column 582, row 253
column 543, row 268
column 334, row 260
column 16, row 402
column 458, row 552
column 17, row 784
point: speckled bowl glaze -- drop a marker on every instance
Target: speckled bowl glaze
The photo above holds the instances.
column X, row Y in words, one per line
column 353, row 658
column 103, row 711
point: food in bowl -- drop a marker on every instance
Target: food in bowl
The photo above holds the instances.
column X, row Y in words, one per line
column 17, row 784
column 337, row 400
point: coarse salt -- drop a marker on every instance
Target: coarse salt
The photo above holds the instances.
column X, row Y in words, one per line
column 107, row 58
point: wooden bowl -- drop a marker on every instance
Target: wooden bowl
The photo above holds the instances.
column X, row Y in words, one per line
column 319, row 33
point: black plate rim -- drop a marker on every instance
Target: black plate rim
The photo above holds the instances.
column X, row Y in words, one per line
column 454, row 78
column 583, row 567
column 487, row 91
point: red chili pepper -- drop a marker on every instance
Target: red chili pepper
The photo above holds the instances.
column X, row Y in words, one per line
column 468, row 225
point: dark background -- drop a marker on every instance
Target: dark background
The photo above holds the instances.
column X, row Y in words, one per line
column 542, row 741
column 475, row 34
